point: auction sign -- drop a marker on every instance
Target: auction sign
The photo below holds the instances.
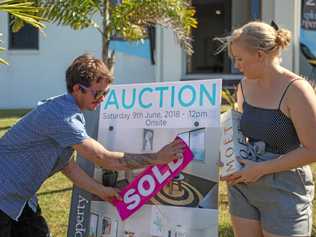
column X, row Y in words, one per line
column 163, row 105
column 169, row 200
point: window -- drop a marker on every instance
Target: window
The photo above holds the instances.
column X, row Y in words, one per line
column 195, row 139
column 217, row 18
column 25, row 38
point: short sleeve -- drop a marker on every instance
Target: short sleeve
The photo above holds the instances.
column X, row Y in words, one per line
column 69, row 131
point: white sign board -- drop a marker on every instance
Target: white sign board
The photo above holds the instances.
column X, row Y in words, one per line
column 163, row 105
column 142, row 118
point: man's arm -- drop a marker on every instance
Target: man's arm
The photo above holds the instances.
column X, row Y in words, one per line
column 95, row 152
column 84, row 181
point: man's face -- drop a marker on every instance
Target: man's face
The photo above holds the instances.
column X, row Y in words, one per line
column 88, row 98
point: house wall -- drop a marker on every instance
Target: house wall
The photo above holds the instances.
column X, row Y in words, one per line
column 287, row 15
column 37, row 74
column 171, row 63
column 241, row 12
column 169, row 57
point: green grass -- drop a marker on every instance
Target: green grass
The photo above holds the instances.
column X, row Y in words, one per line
column 55, row 194
column 9, row 117
column 54, row 198
column 12, row 113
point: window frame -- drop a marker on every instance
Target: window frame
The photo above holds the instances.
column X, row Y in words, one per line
column 11, row 36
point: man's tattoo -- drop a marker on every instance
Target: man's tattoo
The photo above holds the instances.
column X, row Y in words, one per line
column 136, row 161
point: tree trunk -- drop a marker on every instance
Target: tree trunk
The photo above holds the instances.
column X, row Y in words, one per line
column 106, row 37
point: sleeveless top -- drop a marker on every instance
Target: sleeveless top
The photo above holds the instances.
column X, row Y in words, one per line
column 271, row 126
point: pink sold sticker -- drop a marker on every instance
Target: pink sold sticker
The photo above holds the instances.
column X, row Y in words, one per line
column 149, row 183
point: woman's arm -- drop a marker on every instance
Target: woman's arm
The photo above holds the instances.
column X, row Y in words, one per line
column 301, row 104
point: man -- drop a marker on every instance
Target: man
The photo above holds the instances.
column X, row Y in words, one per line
column 42, row 143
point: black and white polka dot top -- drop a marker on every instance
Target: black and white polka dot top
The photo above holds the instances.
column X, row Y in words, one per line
column 269, row 125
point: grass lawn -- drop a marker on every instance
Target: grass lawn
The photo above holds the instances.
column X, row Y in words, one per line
column 55, row 194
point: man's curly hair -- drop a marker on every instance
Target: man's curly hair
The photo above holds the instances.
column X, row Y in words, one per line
column 84, row 70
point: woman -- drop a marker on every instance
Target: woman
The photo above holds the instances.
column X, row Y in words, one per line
column 272, row 194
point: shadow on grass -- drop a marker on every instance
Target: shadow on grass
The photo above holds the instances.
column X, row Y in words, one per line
column 12, row 113
column 5, row 127
column 54, row 191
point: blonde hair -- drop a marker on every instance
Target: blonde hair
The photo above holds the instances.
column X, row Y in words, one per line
column 258, row 36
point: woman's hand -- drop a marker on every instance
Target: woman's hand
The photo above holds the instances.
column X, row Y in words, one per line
column 251, row 172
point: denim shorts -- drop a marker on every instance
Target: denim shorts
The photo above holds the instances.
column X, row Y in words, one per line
column 281, row 202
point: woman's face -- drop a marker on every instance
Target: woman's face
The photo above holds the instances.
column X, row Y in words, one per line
column 248, row 62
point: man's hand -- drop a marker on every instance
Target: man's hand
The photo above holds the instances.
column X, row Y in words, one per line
column 108, row 194
column 170, row 152
column 80, row 178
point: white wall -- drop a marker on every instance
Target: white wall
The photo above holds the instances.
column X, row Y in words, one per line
column 131, row 69
column 240, row 13
column 36, row 74
column 287, row 15
column 169, row 56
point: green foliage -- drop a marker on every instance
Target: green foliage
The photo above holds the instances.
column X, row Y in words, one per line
column 78, row 14
column 23, row 11
column 129, row 19
column 54, row 199
column 229, row 98
column 2, row 49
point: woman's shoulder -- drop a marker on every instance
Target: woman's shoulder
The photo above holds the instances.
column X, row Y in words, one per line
column 300, row 90
column 298, row 85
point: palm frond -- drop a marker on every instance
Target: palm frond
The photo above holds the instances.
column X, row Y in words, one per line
column 24, row 12
column 78, row 14
column 229, row 98
column 2, row 61
column 131, row 18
